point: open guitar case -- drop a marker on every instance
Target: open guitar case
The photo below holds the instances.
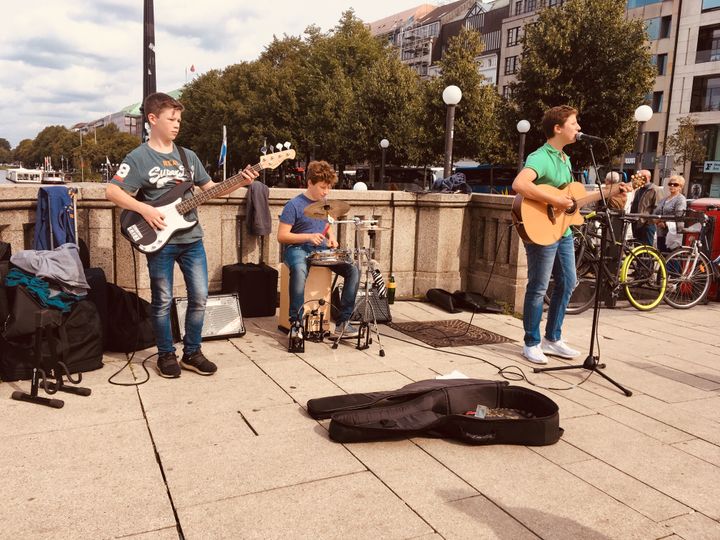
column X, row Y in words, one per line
column 439, row 408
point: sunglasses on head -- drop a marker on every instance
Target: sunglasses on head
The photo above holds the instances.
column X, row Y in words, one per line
column 673, row 184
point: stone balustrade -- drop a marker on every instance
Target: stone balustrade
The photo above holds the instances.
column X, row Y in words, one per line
column 436, row 240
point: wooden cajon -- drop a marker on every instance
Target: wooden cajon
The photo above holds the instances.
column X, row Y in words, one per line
column 317, row 286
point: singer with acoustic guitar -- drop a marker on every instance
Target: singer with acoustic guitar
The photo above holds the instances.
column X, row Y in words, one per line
column 152, row 170
column 548, row 194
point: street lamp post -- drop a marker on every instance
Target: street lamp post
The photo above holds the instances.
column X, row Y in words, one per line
column 451, row 96
column 523, row 126
column 642, row 114
column 384, row 143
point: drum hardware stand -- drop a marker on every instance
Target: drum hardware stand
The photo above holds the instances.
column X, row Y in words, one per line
column 592, row 362
column 45, row 325
column 310, row 328
column 364, row 338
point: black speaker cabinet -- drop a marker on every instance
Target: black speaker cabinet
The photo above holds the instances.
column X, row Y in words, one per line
column 378, row 306
column 256, row 286
column 223, row 317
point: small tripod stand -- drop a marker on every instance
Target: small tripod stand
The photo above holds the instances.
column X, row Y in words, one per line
column 592, row 362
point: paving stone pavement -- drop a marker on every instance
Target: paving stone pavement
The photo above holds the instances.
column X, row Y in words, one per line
column 235, row 455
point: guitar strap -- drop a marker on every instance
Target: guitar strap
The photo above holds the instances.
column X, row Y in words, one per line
column 183, row 157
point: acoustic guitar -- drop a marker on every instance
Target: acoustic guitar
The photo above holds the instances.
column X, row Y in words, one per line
column 539, row 223
column 172, row 205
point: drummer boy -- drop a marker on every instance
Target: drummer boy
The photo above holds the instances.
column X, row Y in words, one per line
column 303, row 235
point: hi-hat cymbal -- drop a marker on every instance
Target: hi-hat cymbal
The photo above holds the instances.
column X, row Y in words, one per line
column 323, row 208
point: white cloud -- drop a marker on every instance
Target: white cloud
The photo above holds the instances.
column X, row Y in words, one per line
column 69, row 62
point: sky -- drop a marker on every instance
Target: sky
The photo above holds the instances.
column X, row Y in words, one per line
column 65, row 62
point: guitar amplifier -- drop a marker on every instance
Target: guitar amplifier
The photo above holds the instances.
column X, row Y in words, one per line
column 256, row 286
column 378, row 306
column 223, row 318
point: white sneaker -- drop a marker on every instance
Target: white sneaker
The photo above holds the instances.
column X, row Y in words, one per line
column 558, row 348
column 346, row 329
column 535, row 354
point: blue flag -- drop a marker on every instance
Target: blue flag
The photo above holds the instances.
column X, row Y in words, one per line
column 223, row 149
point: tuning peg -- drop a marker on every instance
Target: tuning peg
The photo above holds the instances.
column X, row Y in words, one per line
column 287, row 145
column 279, row 146
column 264, row 150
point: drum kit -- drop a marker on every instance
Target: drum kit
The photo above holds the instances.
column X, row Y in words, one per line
column 331, row 211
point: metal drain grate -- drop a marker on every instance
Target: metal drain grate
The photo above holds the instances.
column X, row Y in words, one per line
column 450, row 333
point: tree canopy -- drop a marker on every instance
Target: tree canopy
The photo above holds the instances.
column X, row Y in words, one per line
column 587, row 55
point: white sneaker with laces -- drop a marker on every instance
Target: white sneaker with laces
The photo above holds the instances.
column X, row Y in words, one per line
column 558, row 348
column 534, row 354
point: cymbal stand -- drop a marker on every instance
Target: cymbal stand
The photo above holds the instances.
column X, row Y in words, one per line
column 363, row 339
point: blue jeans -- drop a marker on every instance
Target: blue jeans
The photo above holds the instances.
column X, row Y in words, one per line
column 557, row 259
column 193, row 263
column 295, row 258
column 645, row 234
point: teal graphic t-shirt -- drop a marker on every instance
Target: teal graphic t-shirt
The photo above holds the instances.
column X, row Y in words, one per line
column 153, row 174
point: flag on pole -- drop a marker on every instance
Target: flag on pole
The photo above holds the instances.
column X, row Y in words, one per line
column 192, row 68
column 107, row 160
column 223, row 148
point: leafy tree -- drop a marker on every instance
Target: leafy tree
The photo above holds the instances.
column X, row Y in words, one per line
column 5, row 151
column 477, row 133
column 686, row 143
column 23, row 151
column 587, row 55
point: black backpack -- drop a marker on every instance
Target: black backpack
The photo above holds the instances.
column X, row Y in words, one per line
column 439, row 408
column 129, row 321
column 77, row 339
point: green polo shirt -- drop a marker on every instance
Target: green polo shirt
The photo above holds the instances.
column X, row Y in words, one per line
column 552, row 167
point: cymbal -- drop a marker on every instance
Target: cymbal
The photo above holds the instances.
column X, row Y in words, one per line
column 323, row 208
column 375, row 228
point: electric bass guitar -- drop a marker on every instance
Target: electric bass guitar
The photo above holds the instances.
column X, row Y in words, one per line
column 539, row 223
column 172, row 205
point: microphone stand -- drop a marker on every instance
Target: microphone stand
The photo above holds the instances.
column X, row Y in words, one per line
column 592, row 362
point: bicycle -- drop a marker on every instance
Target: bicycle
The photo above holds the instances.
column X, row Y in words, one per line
column 641, row 273
column 690, row 271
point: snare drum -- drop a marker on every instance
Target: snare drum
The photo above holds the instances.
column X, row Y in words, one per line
column 330, row 257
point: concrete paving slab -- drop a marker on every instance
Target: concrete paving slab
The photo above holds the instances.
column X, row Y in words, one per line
column 543, row 496
column 168, row 533
column 372, row 382
column 694, row 526
column 252, row 465
column 562, row 453
column 397, row 464
column 689, row 480
column 648, row 501
column 701, row 449
column 474, row 517
column 87, row 482
column 349, row 506
column 644, row 424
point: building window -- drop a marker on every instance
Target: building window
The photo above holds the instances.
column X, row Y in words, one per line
column 511, row 65
column 530, row 5
column 657, row 101
column 513, row 36
column 651, row 141
column 518, row 7
column 705, row 94
column 507, row 92
column 708, row 47
column 640, row 3
column 660, row 62
column 709, row 5
column 665, row 26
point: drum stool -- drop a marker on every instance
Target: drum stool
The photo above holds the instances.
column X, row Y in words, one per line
column 317, row 287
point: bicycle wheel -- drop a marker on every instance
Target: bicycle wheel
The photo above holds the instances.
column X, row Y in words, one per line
column 582, row 297
column 688, row 278
column 644, row 278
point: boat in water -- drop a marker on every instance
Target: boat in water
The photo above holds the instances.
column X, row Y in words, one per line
column 25, row 176
column 35, row 176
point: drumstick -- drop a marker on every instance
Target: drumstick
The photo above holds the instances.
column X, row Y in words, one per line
column 326, row 230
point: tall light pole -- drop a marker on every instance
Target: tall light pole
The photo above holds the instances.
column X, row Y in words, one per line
column 642, row 114
column 451, row 96
column 149, row 78
column 384, row 143
column 523, row 126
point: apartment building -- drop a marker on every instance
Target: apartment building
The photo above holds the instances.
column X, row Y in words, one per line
column 684, row 41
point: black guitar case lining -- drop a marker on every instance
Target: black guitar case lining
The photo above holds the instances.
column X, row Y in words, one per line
column 437, row 408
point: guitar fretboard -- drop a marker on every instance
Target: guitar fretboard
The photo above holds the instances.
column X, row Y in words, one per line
column 196, row 200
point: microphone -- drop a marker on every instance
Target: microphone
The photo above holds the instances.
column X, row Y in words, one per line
column 585, row 137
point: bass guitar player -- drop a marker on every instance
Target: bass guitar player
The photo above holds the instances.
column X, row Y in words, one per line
column 546, row 190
